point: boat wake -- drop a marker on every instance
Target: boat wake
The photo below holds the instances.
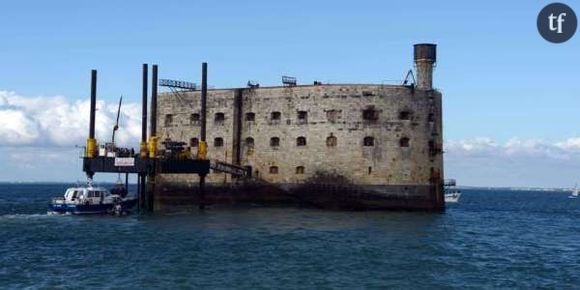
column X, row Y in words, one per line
column 21, row 216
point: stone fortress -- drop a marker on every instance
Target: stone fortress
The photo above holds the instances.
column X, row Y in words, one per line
column 353, row 146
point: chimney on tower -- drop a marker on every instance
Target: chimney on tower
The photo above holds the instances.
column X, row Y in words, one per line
column 425, row 58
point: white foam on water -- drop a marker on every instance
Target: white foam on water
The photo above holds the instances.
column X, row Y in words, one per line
column 25, row 216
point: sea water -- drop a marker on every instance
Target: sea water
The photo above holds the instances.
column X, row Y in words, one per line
column 490, row 239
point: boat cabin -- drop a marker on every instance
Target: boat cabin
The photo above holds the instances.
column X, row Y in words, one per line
column 92, row 195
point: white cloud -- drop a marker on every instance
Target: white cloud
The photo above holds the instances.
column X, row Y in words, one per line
column 517, row 162
column 56, row 121
column 571, row 144
column 16, row 128
column 484, row 146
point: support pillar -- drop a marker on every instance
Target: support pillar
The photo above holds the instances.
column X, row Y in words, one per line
column 202, row 191
column 203, row 129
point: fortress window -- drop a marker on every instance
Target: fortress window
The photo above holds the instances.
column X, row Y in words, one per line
column 404, row 115
column 301, row 141
column 273, row 169
column 250, row 116
column 431, row 117
column 300, row 170
column 194, row 119
column 302, row 117
column 193, row 142
column 250, row 142
column 404, row 142
column 218, row 142
column 332, row 115
column 369, row 141
column 275, row 116
column 219, row 118
column 331, row 141
column 274, row 141
column 168, row 120
column 370, row 114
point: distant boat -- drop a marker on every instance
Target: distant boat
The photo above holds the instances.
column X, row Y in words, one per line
column 452, row 196
column 574, row 193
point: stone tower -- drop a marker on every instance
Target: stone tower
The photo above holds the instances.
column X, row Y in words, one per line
column 425, row 58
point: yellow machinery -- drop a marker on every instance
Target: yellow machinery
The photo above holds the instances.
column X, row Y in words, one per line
column 202, row 150
column 153, row 146
column 91, row 148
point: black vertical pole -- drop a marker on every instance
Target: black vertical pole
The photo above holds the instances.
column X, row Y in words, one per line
column 91, row 150
column 127, row 182
column 143, row 150
column 154, row 102
column 144, row 116
column 153, row 132
column 203, row 129
column 203, row 100
column 139, row 192
column 93, row 104
column 144, row 200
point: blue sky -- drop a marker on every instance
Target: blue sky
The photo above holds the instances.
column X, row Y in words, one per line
column 502, row 83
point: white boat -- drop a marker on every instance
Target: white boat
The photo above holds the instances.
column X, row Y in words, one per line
column 574, row 193
column 91, row 200
column 452, row 196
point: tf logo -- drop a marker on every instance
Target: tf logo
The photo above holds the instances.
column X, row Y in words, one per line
column 557, row 22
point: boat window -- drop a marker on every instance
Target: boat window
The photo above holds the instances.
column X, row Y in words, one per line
column 94, row 193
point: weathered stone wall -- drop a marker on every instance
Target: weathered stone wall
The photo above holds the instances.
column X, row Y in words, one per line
column 331, row 110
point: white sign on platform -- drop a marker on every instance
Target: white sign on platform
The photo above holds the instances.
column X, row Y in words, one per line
column 124, row 161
